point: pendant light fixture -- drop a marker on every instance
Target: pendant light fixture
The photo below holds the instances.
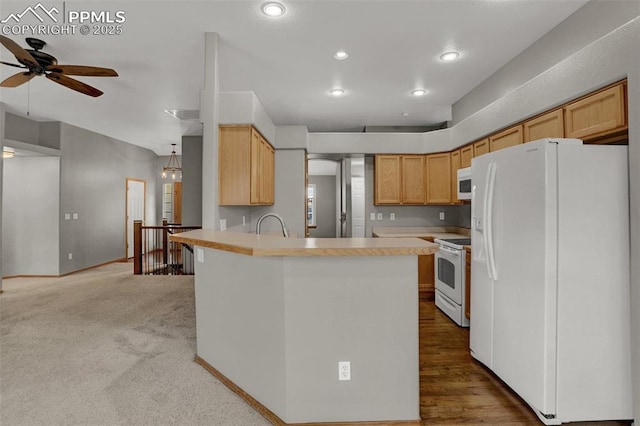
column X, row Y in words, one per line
column 173, row 166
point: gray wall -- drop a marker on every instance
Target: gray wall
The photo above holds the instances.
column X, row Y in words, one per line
column 94, row 169
column 325, row 207
column 405, row 215
column 192, row 180
column 30, row 218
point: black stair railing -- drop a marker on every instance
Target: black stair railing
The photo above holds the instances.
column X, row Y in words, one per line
column 154, row 254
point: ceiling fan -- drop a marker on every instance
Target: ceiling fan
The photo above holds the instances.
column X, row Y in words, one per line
column 40, row 63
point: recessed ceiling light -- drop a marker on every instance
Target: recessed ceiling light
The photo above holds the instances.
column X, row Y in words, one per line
column 336, row 92
column 419, row 92
column 449, row 56
column 273, row 9
column 341, row 55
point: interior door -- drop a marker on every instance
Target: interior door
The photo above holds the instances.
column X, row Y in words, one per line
column 136, row 189
column 177, row 202
column 522, row 227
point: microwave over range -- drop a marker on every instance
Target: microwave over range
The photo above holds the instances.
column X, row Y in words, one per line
column 464, row 183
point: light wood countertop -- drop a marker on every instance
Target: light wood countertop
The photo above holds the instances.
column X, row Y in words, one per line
column 271, row 245
column 420, row 232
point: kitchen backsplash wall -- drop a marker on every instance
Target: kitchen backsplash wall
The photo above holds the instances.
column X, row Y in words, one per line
column 410, row 215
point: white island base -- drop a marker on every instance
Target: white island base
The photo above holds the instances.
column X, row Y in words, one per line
column 273, row 329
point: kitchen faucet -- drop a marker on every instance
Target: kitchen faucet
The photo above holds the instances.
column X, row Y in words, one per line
column 285, row 232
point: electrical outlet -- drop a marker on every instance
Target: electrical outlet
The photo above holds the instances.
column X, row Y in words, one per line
column 344, row 370
column 441, row 215
column 380, row 217
column 67, row 216
column 75, row 216
column 223, row 224
column 200, row 254
column 373, row 216
column 244, row 221
column 70, row 256
column 392, row 216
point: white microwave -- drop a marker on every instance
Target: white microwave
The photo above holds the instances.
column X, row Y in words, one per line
column 464, row 183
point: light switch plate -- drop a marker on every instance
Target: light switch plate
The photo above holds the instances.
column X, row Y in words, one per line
column 441, row 215
column 200, row 254
column 392, row 216
column 380, row 217
column 75, row 216
column 67, row 216
column 373, row 216
column 223, row 224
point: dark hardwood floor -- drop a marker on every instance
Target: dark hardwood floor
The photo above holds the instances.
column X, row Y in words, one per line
column 456, row 389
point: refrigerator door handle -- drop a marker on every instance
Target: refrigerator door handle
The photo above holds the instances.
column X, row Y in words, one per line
column 488, row 237
column 485, row 215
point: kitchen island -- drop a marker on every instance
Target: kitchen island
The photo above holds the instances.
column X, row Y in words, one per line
column 275, row 316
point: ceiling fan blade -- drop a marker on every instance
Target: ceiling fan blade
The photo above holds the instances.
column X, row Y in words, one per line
column 82, row 70
column 21, row 55
column 17, row 79
column 74, row 84
column 12, row 65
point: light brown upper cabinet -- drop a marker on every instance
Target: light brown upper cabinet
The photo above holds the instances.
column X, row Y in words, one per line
column 549, row 125
column 439, row 178
column 400, row 179
column 388, row 179
column 481, row 147
column 413, row 179
column 456, row 163
column 509, row 137
column 246, row 167
column 466, row 154
column 598, row 115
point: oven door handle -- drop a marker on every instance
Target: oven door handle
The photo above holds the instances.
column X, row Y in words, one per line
column 450, row 251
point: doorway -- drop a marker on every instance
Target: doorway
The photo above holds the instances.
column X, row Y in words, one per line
column 337, row 205
column 136, row 208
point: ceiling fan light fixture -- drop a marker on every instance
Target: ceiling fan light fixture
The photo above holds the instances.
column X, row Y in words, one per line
column 336, row 92
column 419, row 92
column 341, row 55
column 449, row 56
column 273, row 9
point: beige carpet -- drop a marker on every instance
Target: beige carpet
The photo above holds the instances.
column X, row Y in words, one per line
column 104, row 347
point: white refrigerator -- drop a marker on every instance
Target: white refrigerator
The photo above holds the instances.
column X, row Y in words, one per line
column 550, row 310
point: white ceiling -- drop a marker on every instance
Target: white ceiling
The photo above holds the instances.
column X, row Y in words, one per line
column 288, row 62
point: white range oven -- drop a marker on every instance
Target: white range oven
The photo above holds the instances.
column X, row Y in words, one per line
column 450, row 278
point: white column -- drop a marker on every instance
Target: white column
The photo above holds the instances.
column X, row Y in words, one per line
column 209, row 111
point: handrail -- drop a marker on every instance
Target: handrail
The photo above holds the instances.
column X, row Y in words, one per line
column 155, row 254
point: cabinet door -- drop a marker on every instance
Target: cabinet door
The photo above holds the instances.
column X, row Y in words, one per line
column 426, row 275
column 439, row 178
column 387, row 179
column 466, row 154
column 270, row 174
column 234, row 165
column 596, row 115
column 413, row 179
column 257, row 167
column 455, row 165
column 481, row 147
column 506, row 138
column 549, row 125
